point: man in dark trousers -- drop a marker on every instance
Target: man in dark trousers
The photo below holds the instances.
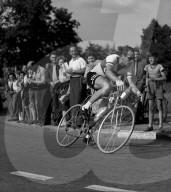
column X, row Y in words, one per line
column 77, row 66
column 53, row 79
column 139, row 80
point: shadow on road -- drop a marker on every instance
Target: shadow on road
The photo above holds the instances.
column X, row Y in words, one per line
column 3, row 153
column 61, row 152
column 150, row 149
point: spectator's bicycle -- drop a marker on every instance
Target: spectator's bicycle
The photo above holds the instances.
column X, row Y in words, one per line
column 116, row 125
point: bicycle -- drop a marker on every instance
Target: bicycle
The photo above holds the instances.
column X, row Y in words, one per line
column 116, row 125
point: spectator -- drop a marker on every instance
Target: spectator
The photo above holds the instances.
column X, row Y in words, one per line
column 92, row 62
column 21, row 84
column 10, row 91
column 25, row 101
column 76, row 71
column 6, row 76
column 31, row 88
column 42, row 93
column 16, row 98
column 90, row 65
column 24, row 68
column 155, row 76
column 30, row 64
column 16, row 71
column 47, row 65
column 139, row 80
column 64, row 79
column 53, row 79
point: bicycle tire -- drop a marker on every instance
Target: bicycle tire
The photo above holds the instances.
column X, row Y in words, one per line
column 69, row 132
column 121, row 119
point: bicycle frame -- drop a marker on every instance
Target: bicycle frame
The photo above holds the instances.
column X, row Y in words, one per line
column 113, row 107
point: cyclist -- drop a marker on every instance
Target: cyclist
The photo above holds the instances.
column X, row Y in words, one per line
column 108, row 70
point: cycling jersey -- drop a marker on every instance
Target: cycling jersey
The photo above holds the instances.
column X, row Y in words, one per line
column 117, row 69
column 100, row 68
column 113, row 60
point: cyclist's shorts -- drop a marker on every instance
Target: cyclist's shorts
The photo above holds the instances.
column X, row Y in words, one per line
column 91, row 78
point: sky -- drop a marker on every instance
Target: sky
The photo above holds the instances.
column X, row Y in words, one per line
column 115, row 22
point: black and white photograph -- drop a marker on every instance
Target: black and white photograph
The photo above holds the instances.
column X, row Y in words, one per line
column 85, row 95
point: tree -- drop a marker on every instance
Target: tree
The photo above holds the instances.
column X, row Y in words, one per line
column 98, row 51
column 158, row 38
column 31, row 29
column 62, row 51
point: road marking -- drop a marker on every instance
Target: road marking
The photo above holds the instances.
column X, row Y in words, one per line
column 31, row 175
column 107, row 189
column 141, row 135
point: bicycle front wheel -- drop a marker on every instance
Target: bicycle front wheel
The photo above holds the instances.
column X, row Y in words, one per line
column 115, row 129
column 70, row 126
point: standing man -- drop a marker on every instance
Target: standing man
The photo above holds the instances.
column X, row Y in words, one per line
column 139, row 80
column 76, row 70
column 53, row 78
column 138, row 68
column 42, row 92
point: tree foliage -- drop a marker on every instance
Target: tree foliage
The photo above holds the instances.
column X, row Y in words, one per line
column 157, row 38
column 30, row 29
column 98, row 51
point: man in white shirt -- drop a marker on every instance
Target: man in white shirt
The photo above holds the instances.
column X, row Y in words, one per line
column 76, row 70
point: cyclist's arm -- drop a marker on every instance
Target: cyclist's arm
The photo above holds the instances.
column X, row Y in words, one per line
column 109, row 73
column 132, row 85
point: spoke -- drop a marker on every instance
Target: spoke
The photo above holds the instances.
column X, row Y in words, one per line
column 64, row 139
column 110, row 140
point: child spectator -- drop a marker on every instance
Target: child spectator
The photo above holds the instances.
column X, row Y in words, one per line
column 155, row 76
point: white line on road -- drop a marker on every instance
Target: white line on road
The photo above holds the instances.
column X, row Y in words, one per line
column 31, row 175
column 107, row 189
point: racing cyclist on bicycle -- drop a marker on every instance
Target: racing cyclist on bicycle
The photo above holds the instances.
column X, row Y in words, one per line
column 108, row 70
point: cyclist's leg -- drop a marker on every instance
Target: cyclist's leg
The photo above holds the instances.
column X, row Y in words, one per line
column 102, row 85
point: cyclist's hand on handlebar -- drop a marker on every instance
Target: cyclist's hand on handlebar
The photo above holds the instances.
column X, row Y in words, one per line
column 120, row 85
column 140, row 95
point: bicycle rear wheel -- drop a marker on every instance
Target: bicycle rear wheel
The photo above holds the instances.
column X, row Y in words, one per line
column 115, row 129
column 71, row 126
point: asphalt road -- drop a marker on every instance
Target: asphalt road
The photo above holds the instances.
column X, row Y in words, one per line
column 139, row 166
